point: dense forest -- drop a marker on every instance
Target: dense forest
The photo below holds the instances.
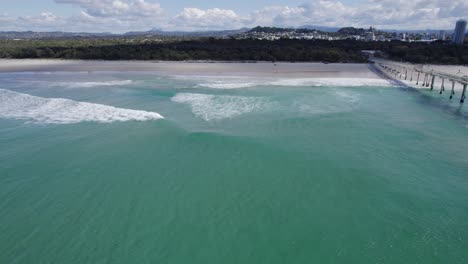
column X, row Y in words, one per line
column 233, row 50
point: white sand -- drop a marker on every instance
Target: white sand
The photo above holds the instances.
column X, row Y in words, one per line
column 260, row 69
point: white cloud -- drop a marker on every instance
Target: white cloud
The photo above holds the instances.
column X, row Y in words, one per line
column 115, row 15
column 408, row 14
column 276, row 16
column 214, row 18
column 43, row 22
column 125, row 15
column 118, row 8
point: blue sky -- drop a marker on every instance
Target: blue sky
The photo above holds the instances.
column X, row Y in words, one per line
column 126, row 15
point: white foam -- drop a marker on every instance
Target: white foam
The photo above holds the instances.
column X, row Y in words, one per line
column 234, row 82
column 344, row 101
column 64, row 111
column 347, row 96
column 216, row 107
column 221, row 85
column 220, row 82
column 346, row 82
column 93, row 84
column 69, row 84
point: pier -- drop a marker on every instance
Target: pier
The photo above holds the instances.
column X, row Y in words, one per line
column 423, row 77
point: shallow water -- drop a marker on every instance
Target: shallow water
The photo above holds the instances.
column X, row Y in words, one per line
column 267, row 171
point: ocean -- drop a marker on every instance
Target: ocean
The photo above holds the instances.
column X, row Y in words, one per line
column 128, row 167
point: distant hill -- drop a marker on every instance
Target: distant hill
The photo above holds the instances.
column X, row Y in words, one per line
column 351, row 31
column 281, row 30
column 194, row 34
column 321, row 28
column 50, row 35
column 260, row 29
column 150, row 33
column 209, row 33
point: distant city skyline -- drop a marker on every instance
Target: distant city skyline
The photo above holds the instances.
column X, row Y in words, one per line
column 139, row 15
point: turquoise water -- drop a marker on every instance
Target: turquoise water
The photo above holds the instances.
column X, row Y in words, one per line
column 273, row 171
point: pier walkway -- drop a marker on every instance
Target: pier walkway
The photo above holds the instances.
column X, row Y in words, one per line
column 423, row 77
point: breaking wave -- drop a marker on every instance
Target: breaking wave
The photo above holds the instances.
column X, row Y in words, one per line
column 93, row 84
column 221, row 85
column 70, row 84
column 345, row 82
column 216, row 107
column 234, row 82
column 64, row 111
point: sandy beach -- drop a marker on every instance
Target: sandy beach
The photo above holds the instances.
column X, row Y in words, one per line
column 259, row 69
column 342, row 73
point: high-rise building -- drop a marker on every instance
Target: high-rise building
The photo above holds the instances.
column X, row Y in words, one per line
column 442, row 35
column 459, row 34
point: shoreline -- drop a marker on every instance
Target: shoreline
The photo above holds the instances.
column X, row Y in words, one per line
column 207, row 68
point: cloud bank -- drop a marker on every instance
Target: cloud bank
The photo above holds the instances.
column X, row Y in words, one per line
column 127, row 15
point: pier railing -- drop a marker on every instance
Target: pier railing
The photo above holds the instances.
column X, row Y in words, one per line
column 424, row 77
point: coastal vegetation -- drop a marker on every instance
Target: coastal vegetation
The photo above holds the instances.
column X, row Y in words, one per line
column 225, row 49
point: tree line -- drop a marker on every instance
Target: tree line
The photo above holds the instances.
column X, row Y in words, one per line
column 234, row 50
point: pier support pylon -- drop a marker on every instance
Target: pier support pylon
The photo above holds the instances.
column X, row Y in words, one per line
column 453, row 89
column 463, row 94
column 442, row 87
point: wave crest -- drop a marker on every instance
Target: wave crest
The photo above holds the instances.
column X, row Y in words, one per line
column 93, row 84
column 234, row 82
column 64, row 111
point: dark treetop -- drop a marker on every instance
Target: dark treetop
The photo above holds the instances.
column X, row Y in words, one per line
column 232, row 50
